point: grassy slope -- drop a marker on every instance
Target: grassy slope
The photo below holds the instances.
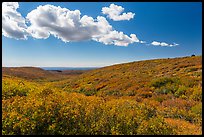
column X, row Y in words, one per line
column 38, row 74
column 139, row 84
column 135, row 76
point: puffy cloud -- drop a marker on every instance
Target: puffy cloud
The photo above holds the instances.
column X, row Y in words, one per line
column 114, row 12
column 117, row 38
column 164, row 44
column 155, row 43
column 62, row 23
column 68, row 26
column 13, row 24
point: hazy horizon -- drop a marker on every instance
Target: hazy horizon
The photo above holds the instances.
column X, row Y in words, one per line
column 97, row 66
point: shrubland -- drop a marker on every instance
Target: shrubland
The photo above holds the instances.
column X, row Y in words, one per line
column 153, row 97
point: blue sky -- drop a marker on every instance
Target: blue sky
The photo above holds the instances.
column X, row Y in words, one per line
column 169, row 29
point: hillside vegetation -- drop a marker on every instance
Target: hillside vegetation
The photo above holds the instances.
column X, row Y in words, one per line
column 40, row 75
column 153, row 97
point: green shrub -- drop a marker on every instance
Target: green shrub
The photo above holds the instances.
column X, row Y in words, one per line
column 167, row 89
column 160, row 82
column 196, row 113
column 181, row 91
column 87, row 92
column 197, row 109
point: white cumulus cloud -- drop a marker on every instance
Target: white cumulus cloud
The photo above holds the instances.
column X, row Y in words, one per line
column 114, row 12
column 69, row 26
column 117, row 38
column 13, row 24
column 155, row 43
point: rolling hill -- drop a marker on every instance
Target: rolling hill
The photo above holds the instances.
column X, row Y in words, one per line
column 152, row 97
column 38, row 74
column 130, row 78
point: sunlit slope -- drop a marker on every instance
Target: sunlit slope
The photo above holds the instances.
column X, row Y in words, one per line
column 13, row 86
column 38, row 74
column 135, row 77
column 26, row 72
column 164, row 97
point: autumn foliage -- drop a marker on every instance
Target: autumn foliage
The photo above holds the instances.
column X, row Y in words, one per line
column 154, row 97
